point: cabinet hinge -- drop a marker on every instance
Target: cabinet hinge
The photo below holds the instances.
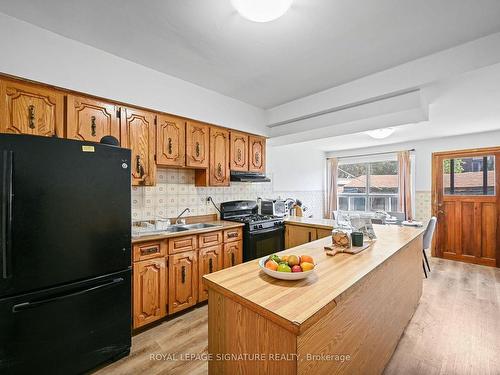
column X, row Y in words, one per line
column 155, row 158
column 119, row 113
column 155, row 120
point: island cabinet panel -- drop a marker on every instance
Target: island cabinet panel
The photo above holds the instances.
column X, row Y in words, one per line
column 209, row 260
column 89, row 119
column 170, row 141
column 219, row 157
column 233, row 254
column 31, row 109
column 183, row 281
column 197, row 144
column 138, row 134
column 257, row 147
column 296, row 235
column 149, row 291
column 239, row 151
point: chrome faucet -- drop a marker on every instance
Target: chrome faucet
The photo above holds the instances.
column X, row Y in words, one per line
column 177, row 219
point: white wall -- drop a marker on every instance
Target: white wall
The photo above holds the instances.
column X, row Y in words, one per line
column 424, row 150
column 34, row 53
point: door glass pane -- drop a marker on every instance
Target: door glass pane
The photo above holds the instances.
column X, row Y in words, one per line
column 384, row 177
column 352, row 178
column 344, row 203
column 358, row 203
column 379, row 203
column 469, row 176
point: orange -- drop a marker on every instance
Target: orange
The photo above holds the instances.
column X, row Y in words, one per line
column 306, row 258
column 271, row 264
column 306, row 266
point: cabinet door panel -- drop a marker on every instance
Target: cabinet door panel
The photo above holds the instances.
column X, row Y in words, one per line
column 239, row 151
column 183, row 281
column 197, row 144
column 90, row 120
column 170, row 141
column 233, row 254
column 31, row 109
column 138, row 134
column 209, row 260
column 257, row 154
column 219, row 157
column 149, row 291
column 296, row 235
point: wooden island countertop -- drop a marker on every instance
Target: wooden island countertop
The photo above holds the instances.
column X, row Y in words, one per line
column 351, row 304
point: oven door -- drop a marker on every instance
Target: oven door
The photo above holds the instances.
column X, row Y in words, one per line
column 263, row 242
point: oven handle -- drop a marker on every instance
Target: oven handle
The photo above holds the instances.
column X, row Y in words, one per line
column 270, row 230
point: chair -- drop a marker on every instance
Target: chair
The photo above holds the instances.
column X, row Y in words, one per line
column 428, row 234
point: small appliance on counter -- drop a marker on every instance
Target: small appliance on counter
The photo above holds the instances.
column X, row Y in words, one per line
column 262, row 234
column 274, row 207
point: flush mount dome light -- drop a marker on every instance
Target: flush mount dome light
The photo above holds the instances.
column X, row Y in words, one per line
column 380, row 133
column 261, row 10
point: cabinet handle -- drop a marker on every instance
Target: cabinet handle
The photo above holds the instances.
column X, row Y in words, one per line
column 232, row 235
column 257, row 157
column 149, row 250
column 239, row 155
column 183, row 274
column 139, row 167
column 92, row 126
column 232, row 259
column 197, row 149
column 170, row 145
column 219, row 170
column 31, row 116
column 210, row 266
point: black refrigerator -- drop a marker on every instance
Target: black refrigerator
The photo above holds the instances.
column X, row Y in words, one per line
column 65, row 260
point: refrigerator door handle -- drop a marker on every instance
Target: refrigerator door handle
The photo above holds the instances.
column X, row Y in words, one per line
column 6, row 179
column 31, row 305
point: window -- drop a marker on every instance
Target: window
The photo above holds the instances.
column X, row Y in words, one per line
column 368, row 186
column 469, row 176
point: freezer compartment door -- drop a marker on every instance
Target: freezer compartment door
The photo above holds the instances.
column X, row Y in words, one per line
column 66, row 330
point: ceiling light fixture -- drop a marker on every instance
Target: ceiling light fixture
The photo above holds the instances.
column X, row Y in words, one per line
column 380, row 133
column 261, row 10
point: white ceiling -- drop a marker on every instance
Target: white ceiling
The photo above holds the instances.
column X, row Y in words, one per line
column 318, row 44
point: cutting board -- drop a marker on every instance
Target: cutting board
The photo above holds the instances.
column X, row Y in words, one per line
column 333, row 250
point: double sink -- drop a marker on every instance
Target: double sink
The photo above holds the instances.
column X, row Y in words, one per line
column 177, row 228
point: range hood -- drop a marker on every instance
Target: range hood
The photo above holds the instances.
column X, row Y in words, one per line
column 249, row 177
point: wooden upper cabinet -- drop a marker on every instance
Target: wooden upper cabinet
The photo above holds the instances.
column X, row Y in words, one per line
column 257, row 154
column 138, row 134
column 170, row 141
column 31, row 109
column 239, row 151
column 149, row 291
column 219, row 157
column 197, row 144
column 90, row 119
column 183, row 281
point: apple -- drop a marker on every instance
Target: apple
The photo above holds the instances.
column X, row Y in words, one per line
column 296, row 268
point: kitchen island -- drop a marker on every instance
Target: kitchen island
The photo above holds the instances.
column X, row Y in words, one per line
column 345, row 318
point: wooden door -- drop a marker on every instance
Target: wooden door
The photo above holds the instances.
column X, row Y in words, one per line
column 233, row 254
column 31, row 109
column 183, row 281
column 138, row 134
column 170, row 141
column 197, row 144
column 89, row 119
column 296, row 235
column 149, row 291
column 465, row 202
column 239, row 151
column 257, row 154
column 209, row 260
column 219, row 157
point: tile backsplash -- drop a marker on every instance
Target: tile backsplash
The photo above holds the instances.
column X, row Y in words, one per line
column 175, row 190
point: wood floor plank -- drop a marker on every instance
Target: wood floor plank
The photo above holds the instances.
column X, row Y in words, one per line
column 455, row 330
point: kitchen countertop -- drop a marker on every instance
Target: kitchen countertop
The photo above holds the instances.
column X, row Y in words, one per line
column 160, row 236
column 311, row 222
column 320, row 292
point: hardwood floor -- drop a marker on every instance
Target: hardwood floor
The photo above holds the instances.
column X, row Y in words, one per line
column 455, row 330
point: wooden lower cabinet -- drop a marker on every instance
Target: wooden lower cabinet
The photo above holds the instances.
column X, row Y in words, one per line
column 233, row 254
column 296, row 235
column 209, row 260
column 149, row 291
column 182, row 281
column 322, row 233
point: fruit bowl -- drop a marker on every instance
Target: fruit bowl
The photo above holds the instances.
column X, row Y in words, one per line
column 283, row 275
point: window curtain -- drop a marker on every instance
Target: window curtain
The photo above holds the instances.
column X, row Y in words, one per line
column 332, row 165
column 405, row 188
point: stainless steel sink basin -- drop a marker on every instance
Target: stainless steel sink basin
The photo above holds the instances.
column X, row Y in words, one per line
column 175, row 228
column 200, row 226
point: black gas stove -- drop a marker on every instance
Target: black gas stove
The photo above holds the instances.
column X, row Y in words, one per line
column 262, row 234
